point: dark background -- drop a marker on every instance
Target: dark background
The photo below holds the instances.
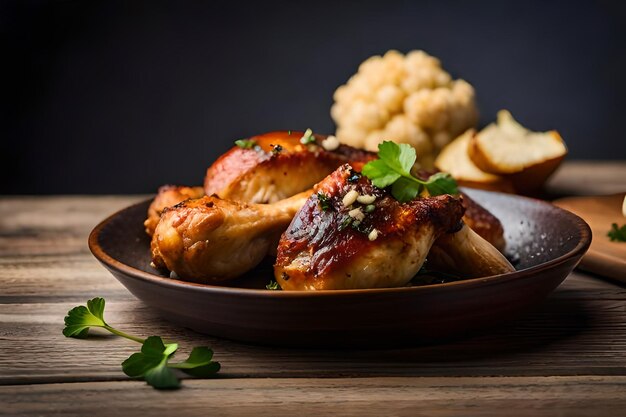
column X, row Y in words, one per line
column 123, row 96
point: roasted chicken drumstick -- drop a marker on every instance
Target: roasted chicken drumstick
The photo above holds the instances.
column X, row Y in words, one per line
column 210, row 239
column 467, row 254
column 350, row 234
column 168, row 196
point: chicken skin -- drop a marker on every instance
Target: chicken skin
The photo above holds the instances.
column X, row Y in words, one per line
column 350, row 234
column 277, row 165
column 209, row 239
column 485, row 224
column 168, row 196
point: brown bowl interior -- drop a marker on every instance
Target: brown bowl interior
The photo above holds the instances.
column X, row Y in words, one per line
column 544, row 243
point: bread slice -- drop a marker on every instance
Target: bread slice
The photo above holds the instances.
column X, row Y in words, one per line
column 507, row 148
column 455, row 160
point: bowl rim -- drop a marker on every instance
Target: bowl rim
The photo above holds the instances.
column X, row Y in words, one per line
column 175, row 284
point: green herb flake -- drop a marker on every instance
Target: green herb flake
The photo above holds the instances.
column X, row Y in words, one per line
column 361, row 227
column 345, row 223
column 245, row 143
column 308, row 137
column 273, row 285
column 325, row 202
column 369, row 208
column 617, row 234
column 393, row 168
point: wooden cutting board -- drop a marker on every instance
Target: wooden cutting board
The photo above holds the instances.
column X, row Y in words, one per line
column 604, row 257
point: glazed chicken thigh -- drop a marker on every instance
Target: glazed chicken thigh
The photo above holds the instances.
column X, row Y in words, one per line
column 277, row 165
column 350, row 234
column 210, row 239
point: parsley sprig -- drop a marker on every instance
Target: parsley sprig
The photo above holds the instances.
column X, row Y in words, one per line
column 246, row 143
column 307, row 138
column 393, row 168
column 152, row 362
column 617, row 234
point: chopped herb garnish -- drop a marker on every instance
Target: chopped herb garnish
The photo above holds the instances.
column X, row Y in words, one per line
column 273, row 285
column 277, row 149
column 345, row 223
column 359, row 226
column 245, row 143
column 152, row 362
column 617, row 234
column 393, row 168
column 308, row 137
column 289, row 132
column 370, row 208
column 324, row 200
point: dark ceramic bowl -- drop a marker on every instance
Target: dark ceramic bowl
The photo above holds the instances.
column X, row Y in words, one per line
column 544, row 242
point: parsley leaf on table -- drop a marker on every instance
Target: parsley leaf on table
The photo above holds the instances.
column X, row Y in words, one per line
column 394, row 168
column 198, row 363
column 617, row 234
column 152, row 362
column 81, row 318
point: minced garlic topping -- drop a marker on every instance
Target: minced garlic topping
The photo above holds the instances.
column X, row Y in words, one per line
column 350, row 198
column 331, row 143
column 357, row 214
column 366, row 199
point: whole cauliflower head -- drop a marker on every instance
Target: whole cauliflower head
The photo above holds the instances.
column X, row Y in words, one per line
column 406, row 99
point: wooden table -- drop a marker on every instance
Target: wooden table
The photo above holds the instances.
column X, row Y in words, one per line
column 567, row 357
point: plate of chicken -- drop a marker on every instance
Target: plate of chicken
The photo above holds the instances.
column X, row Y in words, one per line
column 295, row 239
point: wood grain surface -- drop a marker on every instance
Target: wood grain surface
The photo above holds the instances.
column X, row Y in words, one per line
column 565, row 357
column 406, row 396
column 604, row 257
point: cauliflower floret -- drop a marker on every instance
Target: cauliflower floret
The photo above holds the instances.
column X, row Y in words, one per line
column 407, row 99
